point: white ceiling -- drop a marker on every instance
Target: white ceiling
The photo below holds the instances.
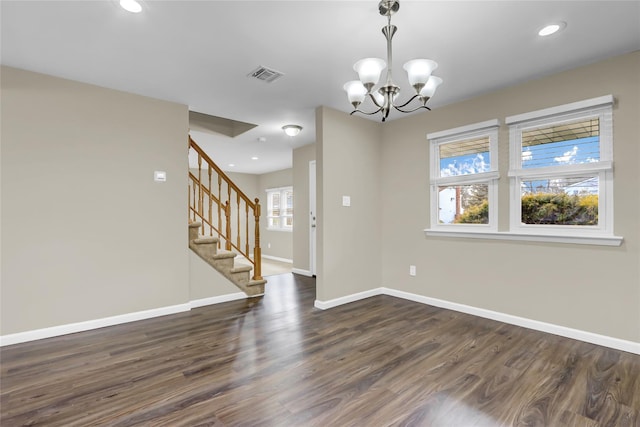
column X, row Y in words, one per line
column 199, row 53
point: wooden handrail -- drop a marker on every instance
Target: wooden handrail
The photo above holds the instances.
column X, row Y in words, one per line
column 220, row 173
column 201, row 197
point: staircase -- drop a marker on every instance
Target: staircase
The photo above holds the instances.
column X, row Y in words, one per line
column 219, row 212
column 223, row 261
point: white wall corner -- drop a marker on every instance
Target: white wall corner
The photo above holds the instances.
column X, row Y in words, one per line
column 324, row 305
column 301, row 272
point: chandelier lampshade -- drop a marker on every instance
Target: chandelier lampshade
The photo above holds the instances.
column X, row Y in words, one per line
column 370, row 69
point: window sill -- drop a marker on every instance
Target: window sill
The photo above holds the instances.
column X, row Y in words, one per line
column 505, row 235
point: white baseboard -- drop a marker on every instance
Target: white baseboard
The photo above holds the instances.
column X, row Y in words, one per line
column 302, row 272
column 324, row 305
column 275, row 258
column 72, row 328
column 88, row 325
column 616, row 343
column 603, row 340
column 217, row 300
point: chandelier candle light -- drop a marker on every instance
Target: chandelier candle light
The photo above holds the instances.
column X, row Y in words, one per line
column 369, row 70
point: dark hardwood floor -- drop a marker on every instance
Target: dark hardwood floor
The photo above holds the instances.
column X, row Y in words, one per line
column 277, row 361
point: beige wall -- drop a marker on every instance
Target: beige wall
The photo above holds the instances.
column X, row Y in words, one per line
column 248, row 183
column 349, row 161
column 301, row 158
column 590, row 288
column 85, row 239
column 86, row 232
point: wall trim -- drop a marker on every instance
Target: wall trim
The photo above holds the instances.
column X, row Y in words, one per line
column 277, row 258
column 302, row 272
column 603, row 340
column 216, row 300
column 324, row 305
column 71, row 328
column 590, row 337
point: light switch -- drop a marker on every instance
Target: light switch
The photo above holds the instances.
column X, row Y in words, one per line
column 159, row 176
column 346, row 201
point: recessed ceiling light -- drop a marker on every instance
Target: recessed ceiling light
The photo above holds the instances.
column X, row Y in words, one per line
column 551, row 29
column 131, row 6
column 231, row 165
column 254, row 158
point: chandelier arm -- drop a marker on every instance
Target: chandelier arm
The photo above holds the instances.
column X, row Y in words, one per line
column 415, row 109
column 364, row 112
column 411, row 111
column 407, row 103
column 373, row 98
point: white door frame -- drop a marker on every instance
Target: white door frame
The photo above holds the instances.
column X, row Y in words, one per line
column 312, row 217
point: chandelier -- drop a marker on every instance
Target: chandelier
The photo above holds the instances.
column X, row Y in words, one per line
column 369, row 70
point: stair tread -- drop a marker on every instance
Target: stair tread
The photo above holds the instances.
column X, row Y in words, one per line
column 205, row 240
column 225, row 254
column 195, row 225
column 241, row 269
column 256, row 282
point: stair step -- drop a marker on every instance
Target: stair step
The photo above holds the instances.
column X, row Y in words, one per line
column 223, row 261
column 241, row 269
column 224, row 255
column 255, row 288
column 205, row 240
column 194, row 229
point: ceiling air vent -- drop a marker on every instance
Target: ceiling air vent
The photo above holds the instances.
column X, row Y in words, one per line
column 265, row 74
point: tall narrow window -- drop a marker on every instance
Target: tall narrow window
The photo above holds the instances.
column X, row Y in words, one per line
column 561, row 169
column 464, row 173
column 280, row 208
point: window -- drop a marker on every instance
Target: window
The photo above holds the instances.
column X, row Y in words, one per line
column 561, row 169
column 464, row 174
column 280, row 208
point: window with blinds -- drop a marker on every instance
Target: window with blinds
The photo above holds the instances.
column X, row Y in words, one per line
column 561, row 171
column 576, row 142
column 280, row 208
column 464, row 177
column 465, row 157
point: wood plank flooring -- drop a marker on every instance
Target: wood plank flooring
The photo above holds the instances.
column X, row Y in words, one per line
column 278, row 361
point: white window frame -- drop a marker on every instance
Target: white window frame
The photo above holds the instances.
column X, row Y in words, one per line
column 489, row 129
column 282, row 191
column 601, row 108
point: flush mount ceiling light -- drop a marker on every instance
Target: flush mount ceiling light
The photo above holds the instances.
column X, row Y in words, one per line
column 369, row 70
column 547, row 30
column 131, row 6
column 292, row 130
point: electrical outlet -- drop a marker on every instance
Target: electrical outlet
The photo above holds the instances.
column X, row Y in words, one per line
column 412, row 270
column 268, row 245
